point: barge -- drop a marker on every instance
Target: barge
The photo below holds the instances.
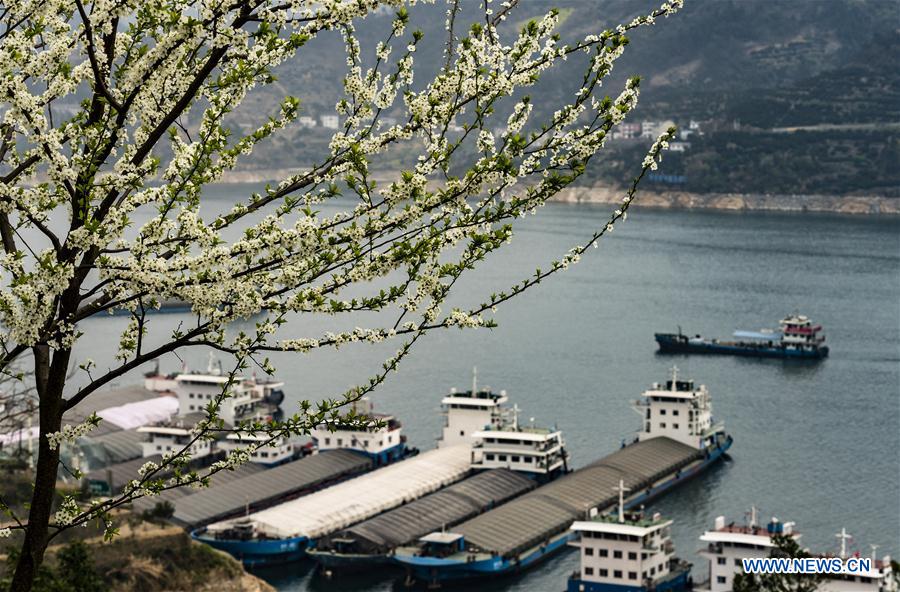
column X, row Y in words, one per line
column 371, row 542
column 531, row 528
column 797, row 338
column 282, row 533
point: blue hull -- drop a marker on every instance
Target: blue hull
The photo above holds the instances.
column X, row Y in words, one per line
column 254, row 553
column 680, row 582
column 434, row 570
column 670, row 343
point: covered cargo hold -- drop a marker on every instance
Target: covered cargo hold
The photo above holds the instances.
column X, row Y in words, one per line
column 267, row 487
column 355, row 500
column 446, row 507
column 535, row 517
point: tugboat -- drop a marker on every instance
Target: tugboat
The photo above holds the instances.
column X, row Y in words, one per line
column 797, row 338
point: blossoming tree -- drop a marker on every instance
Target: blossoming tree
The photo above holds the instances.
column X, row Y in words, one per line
column 71, row 187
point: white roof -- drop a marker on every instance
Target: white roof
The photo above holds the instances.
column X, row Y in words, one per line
column 165, row 430
column 346, row 503
column 471, row 402
column 210, row 378
column 716, row 536
column 618, row 528
column 141, row 413
column 672, row 394
column 510, row 435
column 441, row 537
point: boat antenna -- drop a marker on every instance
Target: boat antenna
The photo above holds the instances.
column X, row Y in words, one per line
column 674, row 376
column 621, row 489
column 873, row 551
column 753, row 516
column 474, row 380
column 844, row 536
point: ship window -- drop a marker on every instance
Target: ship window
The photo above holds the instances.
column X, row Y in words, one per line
column 663, row 425
column 501, row 457
column 652, row 571
column 737, row 562
column 528, row 459
column 632, row 575
column 674, row 411
column 617, row 555
column 648, row 427
column 489, row 456
column 675, row 425
column 589, row 571
column 514, row 458
column 340, row 441
column 662, row 411
column 617, row 574
column 604, row 573
column 327, row 441
column 589, row 551
column 190, row 395
column 604, row 553
column 722, row 560
column 632, row 555
column 264, row 454
column 462, row 432
column 721, row 579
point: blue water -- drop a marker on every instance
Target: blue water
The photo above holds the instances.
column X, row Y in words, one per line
column 818, row 444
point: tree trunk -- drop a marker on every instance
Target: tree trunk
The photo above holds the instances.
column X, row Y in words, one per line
column 50, row 380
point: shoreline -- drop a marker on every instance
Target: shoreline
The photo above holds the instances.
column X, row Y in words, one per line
column 735, row 202
column 608, row 195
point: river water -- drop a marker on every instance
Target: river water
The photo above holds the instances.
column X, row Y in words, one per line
column 818, row 444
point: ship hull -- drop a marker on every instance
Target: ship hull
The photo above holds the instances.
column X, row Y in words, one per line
column 436, row 570
column 680, row 582
column 255, row 552
column 347, row 562
column 670, row 343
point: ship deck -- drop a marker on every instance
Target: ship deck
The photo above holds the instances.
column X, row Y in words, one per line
column 324, row 512
column 530, row 520
column 446, row 507
column 229, row 497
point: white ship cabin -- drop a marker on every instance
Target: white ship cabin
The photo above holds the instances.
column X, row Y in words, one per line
column 470, row 411
column 678, row 410
column 174, row 435
column 626, row 551
column 196, row 391
column 537, row 452
column 799, row 330
column 273, row 453
column 380, row 440
column 727, row 544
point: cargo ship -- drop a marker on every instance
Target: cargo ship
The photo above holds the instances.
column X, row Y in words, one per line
column 509, row 460
column 796, row 338
column 677, row 441
column 727, row 544
column 282, row 533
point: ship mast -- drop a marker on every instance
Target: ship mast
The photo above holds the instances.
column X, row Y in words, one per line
column 844, row 536
column 621, row 489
